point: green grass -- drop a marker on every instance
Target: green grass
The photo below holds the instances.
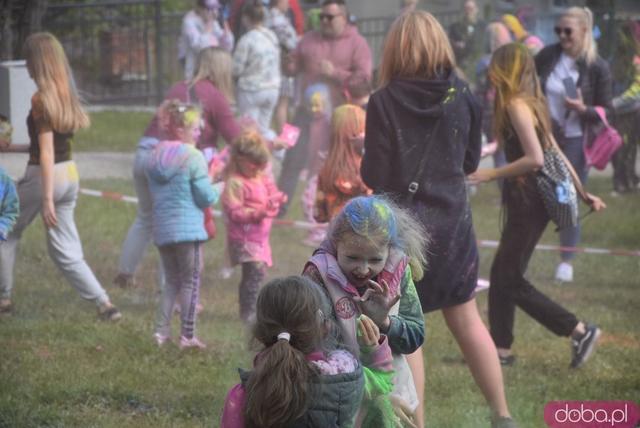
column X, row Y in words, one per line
column 59, row 366
column 112, row 131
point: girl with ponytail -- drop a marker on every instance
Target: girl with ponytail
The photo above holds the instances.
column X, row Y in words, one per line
column 300, row 378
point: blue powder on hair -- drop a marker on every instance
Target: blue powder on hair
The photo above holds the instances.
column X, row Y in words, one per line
column 371, row 216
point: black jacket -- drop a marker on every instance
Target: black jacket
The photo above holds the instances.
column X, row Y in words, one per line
column 400, row 119
column 594, row 81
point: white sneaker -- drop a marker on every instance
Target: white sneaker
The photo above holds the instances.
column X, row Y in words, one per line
column 193, row 343
column 226, row 272
column 161, row 339
column 564, row 272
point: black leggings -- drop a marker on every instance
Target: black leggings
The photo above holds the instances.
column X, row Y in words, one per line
column 252, row 275
column 526, row 221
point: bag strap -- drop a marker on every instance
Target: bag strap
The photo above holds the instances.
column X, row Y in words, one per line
column 412, row 189
column 602, row 115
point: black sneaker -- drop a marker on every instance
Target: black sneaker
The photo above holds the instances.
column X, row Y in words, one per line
column 582, row 348
column 507, row 361
column 503, row 422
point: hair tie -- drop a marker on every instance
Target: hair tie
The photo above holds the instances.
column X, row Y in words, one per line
column 284, row 336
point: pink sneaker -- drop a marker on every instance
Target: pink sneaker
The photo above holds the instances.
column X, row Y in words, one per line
column 193, row 343
column 161, row 339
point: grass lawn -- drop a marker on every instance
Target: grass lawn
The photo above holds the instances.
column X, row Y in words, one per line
column 59, row 366
column 112, row 131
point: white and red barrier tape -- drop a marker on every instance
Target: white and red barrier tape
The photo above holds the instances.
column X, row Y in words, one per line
column 307, row 225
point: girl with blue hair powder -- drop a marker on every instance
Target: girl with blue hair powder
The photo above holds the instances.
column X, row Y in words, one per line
column 373, row 252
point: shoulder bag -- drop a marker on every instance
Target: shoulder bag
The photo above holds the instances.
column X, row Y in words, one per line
column 559, row 186
column 606, row 142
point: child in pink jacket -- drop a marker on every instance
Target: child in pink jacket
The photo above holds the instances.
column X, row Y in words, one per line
column 250, row 201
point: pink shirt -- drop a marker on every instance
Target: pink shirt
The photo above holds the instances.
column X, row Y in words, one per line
column 218, row 117
column 349, row 53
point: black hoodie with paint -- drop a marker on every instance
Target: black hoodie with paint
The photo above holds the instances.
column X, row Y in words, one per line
column 400, row 120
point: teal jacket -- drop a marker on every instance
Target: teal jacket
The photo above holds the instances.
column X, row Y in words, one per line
column 9, row 205
column 180, row 188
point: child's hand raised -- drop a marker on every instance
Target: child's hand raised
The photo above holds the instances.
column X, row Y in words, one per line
column 368, row 333
column 376, row 302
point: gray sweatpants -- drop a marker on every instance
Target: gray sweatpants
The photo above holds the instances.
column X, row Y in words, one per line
column 183, row 268
column 63, row 241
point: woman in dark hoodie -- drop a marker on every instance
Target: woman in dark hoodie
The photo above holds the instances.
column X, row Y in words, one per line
column 574, row 57
column 423, row 110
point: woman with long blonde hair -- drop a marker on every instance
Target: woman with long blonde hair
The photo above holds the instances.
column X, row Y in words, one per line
column 424, row 113
column 212, row 88
column 523, row 128
column 50, row 185
column 575, row 80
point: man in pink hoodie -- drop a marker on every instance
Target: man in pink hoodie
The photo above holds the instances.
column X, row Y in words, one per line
column 331, row 55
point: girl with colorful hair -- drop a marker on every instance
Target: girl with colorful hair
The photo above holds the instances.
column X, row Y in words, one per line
column 339, row 179
column 373, row 252
column 317, row 104
column 180, row 190
column 250, row 201
column 50, row 185
column 301, row 377
column 523, row 127
column 212, row 88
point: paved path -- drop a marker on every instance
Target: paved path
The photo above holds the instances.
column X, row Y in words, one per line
column 91, row 165
column 97, row 165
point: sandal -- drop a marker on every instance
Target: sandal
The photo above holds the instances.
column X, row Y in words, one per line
column 110, row 314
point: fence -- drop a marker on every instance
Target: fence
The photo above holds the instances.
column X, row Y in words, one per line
column 120, row 51
column 125, row 51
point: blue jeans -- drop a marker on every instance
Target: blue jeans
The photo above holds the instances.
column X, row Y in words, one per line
column 139, row 235
column 573, row 149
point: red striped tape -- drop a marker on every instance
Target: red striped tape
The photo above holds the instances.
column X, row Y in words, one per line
column 308, row 226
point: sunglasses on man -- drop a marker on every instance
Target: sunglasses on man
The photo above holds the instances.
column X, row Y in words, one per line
column 328, row 17
column 559, row 30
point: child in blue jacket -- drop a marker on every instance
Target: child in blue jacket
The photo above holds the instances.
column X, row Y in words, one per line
column 9, row 209
column 180, row 188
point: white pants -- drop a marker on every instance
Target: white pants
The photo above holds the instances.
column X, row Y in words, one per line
column 258, row 105
column 63, row 241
